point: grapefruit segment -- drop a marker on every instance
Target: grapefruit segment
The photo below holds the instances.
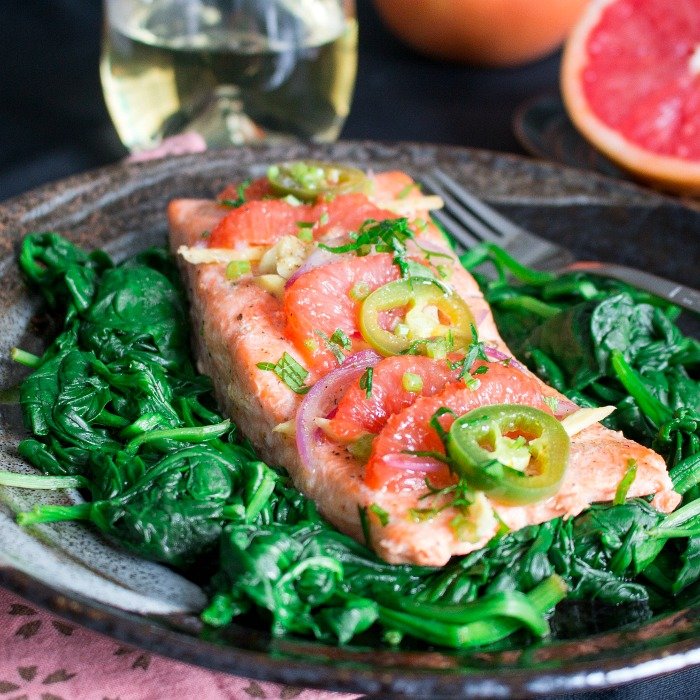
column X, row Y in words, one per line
column 358, row 414
column 259, row 222
column 319, row 302
column 265, row 221
column 631, row 84
column 256, row 189
column 410, row 430
column 345, row 213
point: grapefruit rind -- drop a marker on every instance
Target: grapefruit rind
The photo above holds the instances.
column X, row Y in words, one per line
column 671, row 174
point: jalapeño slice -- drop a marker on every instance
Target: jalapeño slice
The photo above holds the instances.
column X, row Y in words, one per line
column 307, row 179
column 429, row 310
column 515, row 454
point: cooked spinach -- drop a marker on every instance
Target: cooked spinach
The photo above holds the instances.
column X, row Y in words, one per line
column 116, row 409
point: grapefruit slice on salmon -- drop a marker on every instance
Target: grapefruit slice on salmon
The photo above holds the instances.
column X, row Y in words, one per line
column 361, row 411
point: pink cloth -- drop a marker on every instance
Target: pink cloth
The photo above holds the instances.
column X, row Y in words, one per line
column 43, row 657
column 179, row 145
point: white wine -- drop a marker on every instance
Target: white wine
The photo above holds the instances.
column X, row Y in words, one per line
column 165, row 72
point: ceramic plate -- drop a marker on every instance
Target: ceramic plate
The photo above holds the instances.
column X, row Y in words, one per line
column 77, row 574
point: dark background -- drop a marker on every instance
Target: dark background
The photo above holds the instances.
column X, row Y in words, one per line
column 53, row 123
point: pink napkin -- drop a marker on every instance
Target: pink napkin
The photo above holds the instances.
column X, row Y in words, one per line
column 43, row 657
column 189, row 142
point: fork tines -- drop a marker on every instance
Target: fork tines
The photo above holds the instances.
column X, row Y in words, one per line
column 471, row 221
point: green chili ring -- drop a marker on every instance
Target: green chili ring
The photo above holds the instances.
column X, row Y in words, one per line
column 307, row 179
column 488, row 444
column 412, row 293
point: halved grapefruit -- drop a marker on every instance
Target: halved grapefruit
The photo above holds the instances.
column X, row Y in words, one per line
column 631, row 84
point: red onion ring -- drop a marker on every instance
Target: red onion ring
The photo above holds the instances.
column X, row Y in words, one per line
column 496, row 355
column 413, row 463
column 322, row 399
column 318, row 258
column 564, row 407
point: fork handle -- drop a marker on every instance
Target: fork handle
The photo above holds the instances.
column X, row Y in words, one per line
column 678, row 294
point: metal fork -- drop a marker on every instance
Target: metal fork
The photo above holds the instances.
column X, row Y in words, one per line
column 471, row 221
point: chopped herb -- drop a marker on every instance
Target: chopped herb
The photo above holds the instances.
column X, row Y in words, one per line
column 380, row 513
column 289, row 371
column 240, row 198
column 627, row 480
column 551, row 402
column 444, row 271
column 366, row 381
column 459, row 496
column 338, row 342
column 237, row 268
column 323, row 219
column 472, row 383
column 360, row 291
column 364, row 523
column 412, row 382
column 435, row 422
column 305, row 233
column 476, row 351
column 205, row 234
column 340, row 338
column 407, row 190
column 435, row 348
column 386, row 236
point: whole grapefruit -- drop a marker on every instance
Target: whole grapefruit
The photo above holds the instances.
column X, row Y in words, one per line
column 630, row 81
column 482, row 32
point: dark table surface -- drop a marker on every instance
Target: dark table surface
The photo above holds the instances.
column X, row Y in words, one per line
column 53, row 123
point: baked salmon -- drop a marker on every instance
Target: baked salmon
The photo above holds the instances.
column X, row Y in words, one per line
column 290, row 302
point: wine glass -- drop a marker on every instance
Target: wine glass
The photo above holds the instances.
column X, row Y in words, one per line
column 231, row 71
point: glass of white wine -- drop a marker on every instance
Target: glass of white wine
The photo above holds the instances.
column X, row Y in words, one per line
column 233, row 71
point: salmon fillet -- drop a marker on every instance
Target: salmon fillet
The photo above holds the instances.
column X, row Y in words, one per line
column 238, row 325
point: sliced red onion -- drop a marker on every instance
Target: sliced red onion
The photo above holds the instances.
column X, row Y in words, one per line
column 322, row 399
column 317, row 258
column 433, row 247
column 497, row 355
column 564, row 407
column 414, row 463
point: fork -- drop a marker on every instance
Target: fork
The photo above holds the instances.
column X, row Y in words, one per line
column 471, row 221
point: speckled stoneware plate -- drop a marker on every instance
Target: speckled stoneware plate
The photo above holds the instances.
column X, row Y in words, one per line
column 75, row 573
